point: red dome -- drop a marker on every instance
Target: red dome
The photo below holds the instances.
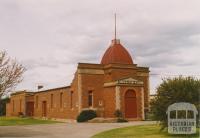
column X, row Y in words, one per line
column 116, row 53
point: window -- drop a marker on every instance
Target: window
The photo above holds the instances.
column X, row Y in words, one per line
column 13, row 106
column 61, row 98
column 173, row 114
column 36, row 101
column 181, row 114
column 20, row 105
column 90, row 99
column 71, row 99
column 51, row 100
column 190, row 114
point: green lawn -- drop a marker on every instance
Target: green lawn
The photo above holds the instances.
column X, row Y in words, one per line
column 11, row 121
column 147, row 131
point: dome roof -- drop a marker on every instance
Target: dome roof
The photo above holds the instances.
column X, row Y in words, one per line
column 116, row 53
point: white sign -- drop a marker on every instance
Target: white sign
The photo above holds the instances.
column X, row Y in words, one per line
column 182, row 118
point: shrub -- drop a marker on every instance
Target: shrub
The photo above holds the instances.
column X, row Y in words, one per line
column 20, row 114
column 149, row 116
column 121, row 120
column 86, row 115
column 118, row 113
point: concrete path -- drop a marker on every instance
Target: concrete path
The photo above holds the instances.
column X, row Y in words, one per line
column 63, row 130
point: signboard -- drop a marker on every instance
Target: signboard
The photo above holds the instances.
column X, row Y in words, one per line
column 129, row 81
column 182, row 118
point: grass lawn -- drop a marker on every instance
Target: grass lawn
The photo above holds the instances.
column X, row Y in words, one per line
column 147, row 131
column 11, row 121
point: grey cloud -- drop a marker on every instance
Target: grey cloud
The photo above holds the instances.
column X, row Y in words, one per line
column 164, row 48
column 50, row 37
column 34, row 63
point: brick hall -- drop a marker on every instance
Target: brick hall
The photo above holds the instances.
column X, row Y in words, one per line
column 117, row 83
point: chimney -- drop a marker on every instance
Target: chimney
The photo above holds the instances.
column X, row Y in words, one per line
column 40, row 87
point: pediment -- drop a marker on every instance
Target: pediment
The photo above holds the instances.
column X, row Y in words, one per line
column 126, row 81
column 129, row 81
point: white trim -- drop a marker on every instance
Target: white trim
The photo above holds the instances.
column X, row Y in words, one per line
column 117, row 98
column 90, row 108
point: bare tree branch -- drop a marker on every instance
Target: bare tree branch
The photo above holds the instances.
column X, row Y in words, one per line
column 10, row 73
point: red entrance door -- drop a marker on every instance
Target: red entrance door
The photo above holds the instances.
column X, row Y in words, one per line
column 130, row 104
column 44, row 108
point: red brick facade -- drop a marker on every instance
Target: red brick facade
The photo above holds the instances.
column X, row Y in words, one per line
column 105, row 84
column 18, row 104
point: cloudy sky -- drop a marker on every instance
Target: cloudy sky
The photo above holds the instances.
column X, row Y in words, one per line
column 49, row 37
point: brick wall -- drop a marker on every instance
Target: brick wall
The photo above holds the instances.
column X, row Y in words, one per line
column 94, row 84
column 109, row 101
column 55, row 106
column 16, row 104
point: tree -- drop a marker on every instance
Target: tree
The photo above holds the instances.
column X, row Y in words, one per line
column 3, row 106
column 10, row 73
column 179, row 89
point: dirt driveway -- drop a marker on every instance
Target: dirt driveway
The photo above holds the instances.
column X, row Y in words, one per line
column 62, row 130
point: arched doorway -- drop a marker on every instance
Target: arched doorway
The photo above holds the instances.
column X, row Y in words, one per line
column 130, row 104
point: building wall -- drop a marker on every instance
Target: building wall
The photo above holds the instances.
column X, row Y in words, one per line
column 144, row 76
column 16, row 105
column 8, row 109
column 113, row 74
column 92, row 83
column 55, row 107
column 75, row 99
column 109, row 102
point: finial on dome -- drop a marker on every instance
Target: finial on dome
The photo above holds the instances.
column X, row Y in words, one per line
column 116, row 53
column 115, row 40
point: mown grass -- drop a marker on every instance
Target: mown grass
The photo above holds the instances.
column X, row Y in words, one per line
column 147, row 131
column 12, row 121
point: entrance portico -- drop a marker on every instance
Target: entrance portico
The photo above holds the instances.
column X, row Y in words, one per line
column 129, row 97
